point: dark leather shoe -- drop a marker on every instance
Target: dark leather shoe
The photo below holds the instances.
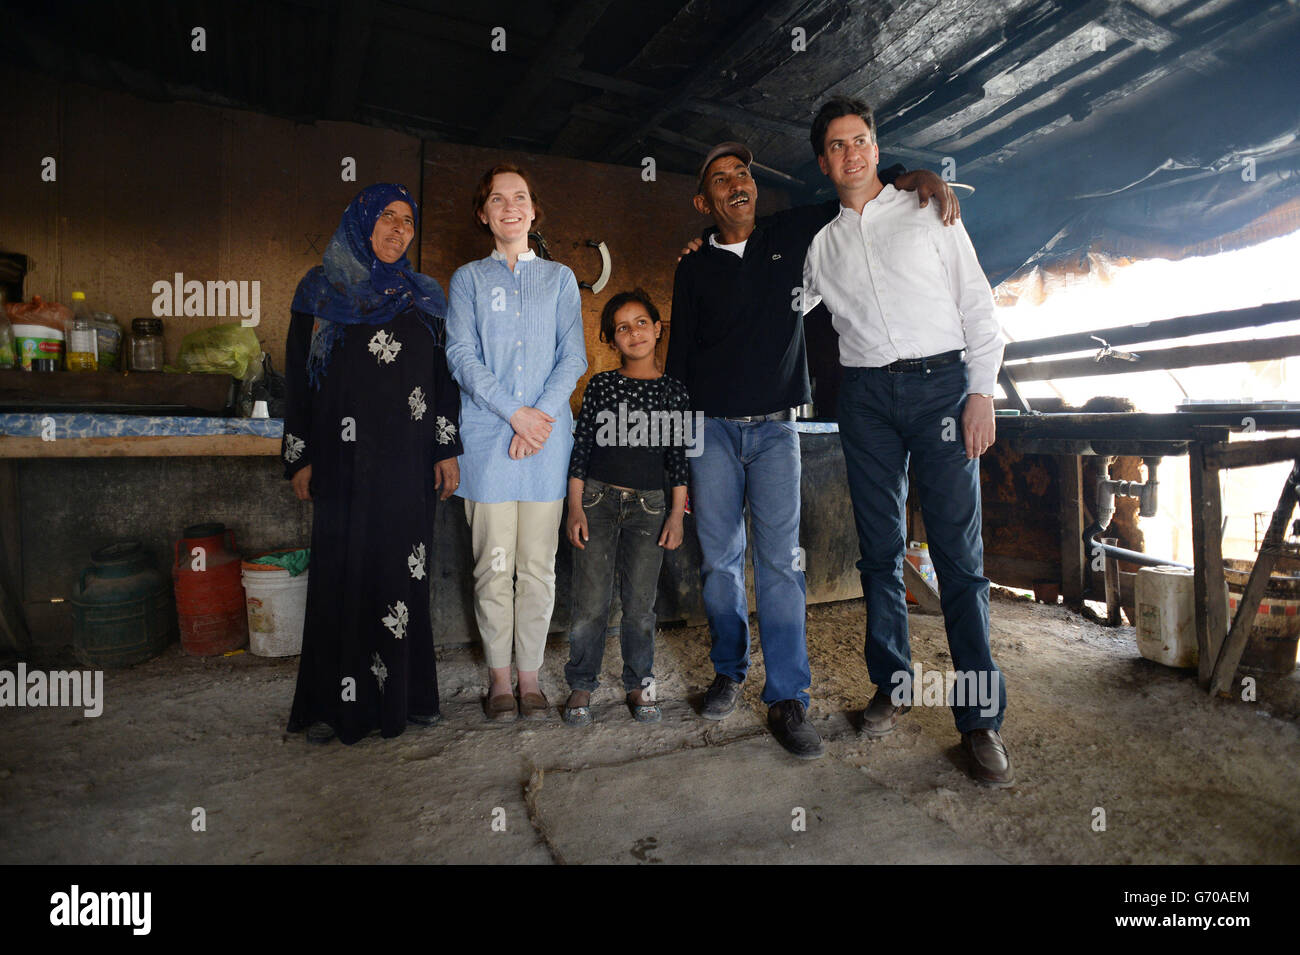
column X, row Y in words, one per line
column 990, row 762
column 881, row 716
column 424, row 719
column 788, row 721
column 720, row 698
column 319, row 733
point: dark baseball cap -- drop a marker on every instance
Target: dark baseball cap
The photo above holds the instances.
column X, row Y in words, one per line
column 739, row 150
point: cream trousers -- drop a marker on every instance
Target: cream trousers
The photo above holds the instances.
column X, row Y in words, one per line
column 514, row 539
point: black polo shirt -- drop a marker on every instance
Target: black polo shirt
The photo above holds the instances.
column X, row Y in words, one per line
column 736, row 338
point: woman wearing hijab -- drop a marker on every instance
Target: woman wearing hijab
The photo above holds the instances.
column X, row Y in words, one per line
column 371, row 433
column 516, row 347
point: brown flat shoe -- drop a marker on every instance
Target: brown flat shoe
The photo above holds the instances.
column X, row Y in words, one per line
column 533, row 706
column 501, row 707
column 990, row 762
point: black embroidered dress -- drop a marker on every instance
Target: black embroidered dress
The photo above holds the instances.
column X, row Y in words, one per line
column 385, row 412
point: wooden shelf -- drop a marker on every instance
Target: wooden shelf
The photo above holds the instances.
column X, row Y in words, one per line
column 113, row 392
column 140, row 446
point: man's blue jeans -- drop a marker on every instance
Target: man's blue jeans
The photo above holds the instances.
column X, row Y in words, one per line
column 884, row 418
column 755, row 463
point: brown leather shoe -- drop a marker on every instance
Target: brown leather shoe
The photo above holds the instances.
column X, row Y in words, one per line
column 533, row 706
column 990, row 762
column 501, row 707
column 881, row 716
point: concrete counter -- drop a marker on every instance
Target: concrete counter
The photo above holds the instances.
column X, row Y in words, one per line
column 66, row 498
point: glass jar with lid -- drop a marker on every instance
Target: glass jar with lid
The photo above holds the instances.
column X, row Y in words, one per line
column 147, row 352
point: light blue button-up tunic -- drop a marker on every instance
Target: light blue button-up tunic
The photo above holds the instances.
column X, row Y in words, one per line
column 514, row 339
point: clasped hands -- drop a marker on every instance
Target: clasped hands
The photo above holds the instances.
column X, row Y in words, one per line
column 532, row 428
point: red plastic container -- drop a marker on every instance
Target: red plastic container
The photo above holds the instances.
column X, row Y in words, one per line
column 209, row 593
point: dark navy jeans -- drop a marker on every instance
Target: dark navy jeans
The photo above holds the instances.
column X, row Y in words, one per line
column 884, row 419
column 623, row 544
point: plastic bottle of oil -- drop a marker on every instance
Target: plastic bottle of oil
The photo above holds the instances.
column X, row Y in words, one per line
column 108, row 342
column 83, row 350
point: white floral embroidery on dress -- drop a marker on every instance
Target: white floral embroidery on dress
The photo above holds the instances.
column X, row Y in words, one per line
column 385, row 346
column 444, row 430
column 397, row 618
column 416, row 562
column 416, row 401
column 293, row 447
column 379, row 670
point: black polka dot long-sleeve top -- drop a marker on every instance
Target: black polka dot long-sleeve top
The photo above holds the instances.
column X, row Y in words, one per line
column 635, row 432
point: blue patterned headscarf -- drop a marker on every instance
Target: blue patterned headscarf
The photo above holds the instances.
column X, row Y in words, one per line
column 354, row 286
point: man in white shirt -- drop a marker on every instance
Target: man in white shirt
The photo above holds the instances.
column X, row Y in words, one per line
column 921, row 350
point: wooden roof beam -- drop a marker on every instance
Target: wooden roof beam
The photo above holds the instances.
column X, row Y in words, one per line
column 1134, row 25
column 352, row 20
column 757, row 33
column 557, row 52
column 725, row 111
column 1032, row 35
column 420, row 24
column 677, row 139
column 1128, row 78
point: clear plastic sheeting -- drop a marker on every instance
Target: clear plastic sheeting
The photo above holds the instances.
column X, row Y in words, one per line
column 1194, row 162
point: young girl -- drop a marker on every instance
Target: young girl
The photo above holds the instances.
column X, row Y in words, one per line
column 628, row 444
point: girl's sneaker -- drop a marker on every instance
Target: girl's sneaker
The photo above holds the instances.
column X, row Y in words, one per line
column 577, row 710
column 648, row 712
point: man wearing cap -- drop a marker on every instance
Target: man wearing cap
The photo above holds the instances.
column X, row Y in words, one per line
column 921, row 348
column 737, row 343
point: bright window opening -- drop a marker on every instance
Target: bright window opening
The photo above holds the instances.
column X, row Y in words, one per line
column 1155, row 289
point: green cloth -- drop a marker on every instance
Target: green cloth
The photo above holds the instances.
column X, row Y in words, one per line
column 294, row 561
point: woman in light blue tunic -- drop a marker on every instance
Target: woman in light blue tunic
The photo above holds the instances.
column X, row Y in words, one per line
column 515, row 345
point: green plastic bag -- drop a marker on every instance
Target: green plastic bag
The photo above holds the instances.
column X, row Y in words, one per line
column 223, row 349
column 294, row 561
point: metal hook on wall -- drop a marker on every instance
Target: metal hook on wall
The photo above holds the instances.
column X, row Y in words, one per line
column 542, row 250
column 605, row 268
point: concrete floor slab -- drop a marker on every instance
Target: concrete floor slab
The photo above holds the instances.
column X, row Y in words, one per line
column 1093, row 729
column 745, row 802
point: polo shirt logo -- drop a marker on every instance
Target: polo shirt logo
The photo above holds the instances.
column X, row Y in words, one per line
column 775, row 256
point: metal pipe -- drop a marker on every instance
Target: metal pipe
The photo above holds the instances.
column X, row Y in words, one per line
column 1112, row 584
column 1131, row 556
column 1146, row 493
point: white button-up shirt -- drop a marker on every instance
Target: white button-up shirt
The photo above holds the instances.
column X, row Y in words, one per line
column 901, row 284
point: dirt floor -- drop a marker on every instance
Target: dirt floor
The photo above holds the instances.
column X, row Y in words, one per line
column 1090, row 725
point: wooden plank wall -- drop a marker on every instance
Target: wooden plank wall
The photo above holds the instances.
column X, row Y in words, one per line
column 148, row 189
column 644, row 225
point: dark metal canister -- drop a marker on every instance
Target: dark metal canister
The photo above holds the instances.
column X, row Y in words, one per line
column 121, row 608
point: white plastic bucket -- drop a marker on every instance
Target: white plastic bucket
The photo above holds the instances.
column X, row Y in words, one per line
column 277, row 607
column 1166, row 624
